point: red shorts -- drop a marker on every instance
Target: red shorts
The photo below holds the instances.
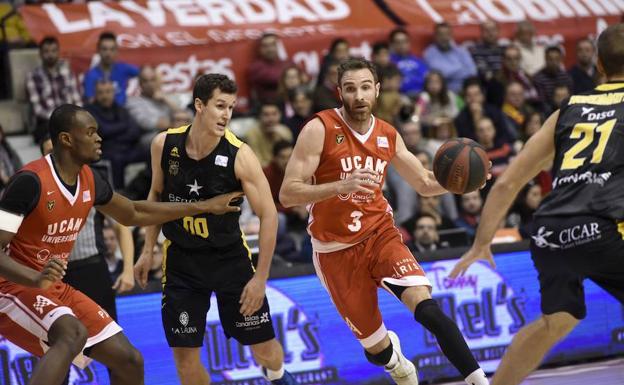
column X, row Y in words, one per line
column 353, row 275
column 26, row 315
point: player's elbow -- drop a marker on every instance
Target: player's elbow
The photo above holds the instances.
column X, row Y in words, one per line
column 285, row 197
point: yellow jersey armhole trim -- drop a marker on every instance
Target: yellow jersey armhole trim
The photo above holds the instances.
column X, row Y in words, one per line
column 609, row 86
column 230, row 137
column 178, row 130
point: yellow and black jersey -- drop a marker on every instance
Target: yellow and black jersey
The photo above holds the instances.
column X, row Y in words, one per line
column 588, row 168
column 189, row 180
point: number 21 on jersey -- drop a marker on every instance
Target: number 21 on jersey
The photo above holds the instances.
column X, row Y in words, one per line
column 585, row 132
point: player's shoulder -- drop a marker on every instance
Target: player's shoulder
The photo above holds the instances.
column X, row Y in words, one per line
column 314, row 125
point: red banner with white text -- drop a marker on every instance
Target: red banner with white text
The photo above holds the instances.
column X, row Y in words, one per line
column 185, row 37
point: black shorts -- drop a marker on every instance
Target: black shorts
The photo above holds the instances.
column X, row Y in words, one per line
column 189, row 280
column 567, row 250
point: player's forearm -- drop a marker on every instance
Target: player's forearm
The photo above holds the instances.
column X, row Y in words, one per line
column 16, row 272
column 151, row 232
column 126, row 245
column 267, row 240
column 148, row 213
column 499, row 200
column 301, row 193
column 427, row 185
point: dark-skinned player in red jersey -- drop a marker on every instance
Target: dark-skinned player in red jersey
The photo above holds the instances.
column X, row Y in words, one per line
column 41, row 212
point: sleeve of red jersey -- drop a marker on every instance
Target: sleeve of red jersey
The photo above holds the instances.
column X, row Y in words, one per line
column 103, row 189
column 18, row 200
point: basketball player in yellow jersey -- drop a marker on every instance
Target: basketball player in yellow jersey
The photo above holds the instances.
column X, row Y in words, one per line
column 578, row 231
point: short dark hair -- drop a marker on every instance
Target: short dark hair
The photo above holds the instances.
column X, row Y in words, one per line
column 388, row 73
column 301, row 90
column 380, row 46
column 269, row 103
column 48, row 40
column 443, row 24
column 355, row 64
column 335, row 43
column 206, row 84
column 397, row 31
column 280, row 145
column 554, row 48
column 62, row 120
column 106, row 36
column 268, row 34
column 471, row 81
column 611, row 50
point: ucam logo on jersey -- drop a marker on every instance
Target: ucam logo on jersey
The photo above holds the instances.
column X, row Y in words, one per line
column 232, row 363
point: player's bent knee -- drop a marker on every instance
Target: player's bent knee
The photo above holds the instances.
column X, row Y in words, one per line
column 559, row 324
column 266, row 351
column 69, row 331
column 414, row 295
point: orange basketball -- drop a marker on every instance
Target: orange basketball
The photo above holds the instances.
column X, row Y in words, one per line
column 461, row 165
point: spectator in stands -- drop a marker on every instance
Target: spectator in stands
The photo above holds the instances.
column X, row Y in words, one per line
column 292, row 78
column 487, row 54
column 290, row 218
column 425, row 235
column 112, row 254
column 264, row 73
column 109, row 69
column 442, row 130
column 532, row 54
column 9, row 160
column 551, row 75
column 412, row 67
column 475, row 109
column 50, row 85
column 560, row 93
column 499, row 154
column 521, row 214
column 338, row 52
column 515, row 109
column 380, row 56
column 437, row 208
column 262, row 137
column 532, row 124
column 469, row 212
column 584, row 72
column 436, row 101
column 326, row 94
column 301, row 99
column 152, row 110
column 388, row 107
column 511, row 72
column 453, row 61
column 119, row 132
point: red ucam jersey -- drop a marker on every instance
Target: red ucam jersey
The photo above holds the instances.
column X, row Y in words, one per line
column 344, row 220
column 51, row 228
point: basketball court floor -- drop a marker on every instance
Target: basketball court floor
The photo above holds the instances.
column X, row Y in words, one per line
column 596, row 373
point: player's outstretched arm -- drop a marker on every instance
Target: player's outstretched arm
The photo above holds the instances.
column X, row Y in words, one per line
column 413, row 172
column 146, row 213
column 536, row 154
column 257, row 190
column 297, row 188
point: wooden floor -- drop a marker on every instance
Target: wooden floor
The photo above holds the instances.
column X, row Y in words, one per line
column 596, row 373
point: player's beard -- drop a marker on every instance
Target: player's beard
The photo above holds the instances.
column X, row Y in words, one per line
column 360, row 115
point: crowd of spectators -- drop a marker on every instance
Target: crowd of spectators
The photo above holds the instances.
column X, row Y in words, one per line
column 497, row 95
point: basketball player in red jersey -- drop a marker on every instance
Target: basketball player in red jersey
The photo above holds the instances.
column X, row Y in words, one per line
column 337, row 167
column 41, row 212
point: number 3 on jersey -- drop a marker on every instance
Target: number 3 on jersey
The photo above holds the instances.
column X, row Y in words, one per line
column 196, row 226
column 585, row 132
column 356, row 225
